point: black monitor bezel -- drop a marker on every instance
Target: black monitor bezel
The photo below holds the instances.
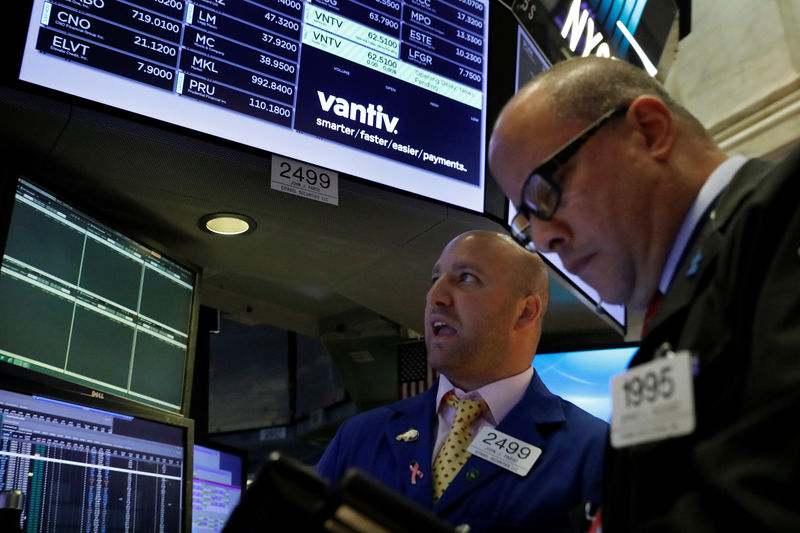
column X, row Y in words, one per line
column 23, row 381
column 587, row 347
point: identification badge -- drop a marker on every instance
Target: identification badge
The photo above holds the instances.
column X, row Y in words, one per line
column 504, row 450
column 653, row 401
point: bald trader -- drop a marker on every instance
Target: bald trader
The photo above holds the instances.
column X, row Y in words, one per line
column 483, row 320
column 639, row 201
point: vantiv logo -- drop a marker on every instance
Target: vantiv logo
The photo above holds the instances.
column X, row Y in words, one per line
column 370, row 115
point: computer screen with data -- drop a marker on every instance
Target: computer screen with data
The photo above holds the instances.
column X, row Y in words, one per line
column 391, row 91
column 218, row 479
column 84, row 468
column 85, row 303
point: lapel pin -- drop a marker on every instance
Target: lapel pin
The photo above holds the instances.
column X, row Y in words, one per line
column 415, row 472
column 695, row 264
column 409, row 436
column 473, row 474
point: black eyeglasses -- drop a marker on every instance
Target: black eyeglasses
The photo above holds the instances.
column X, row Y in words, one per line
column 541, row 193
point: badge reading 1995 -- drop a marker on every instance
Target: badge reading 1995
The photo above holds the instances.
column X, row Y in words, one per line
column 653, row 401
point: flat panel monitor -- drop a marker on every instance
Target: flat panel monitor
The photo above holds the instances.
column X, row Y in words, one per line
column 583, row 377
column 82, row 467
column 531, row 61
column 392, row 91
column 85, row 303
column 219, row 476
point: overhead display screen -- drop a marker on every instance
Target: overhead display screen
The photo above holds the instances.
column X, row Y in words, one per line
column 391, row 91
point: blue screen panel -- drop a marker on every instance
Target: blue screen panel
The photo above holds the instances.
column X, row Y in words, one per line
column 584, row 377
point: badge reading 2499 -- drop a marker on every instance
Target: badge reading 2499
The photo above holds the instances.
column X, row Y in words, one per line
column 302, row 179
column 504, row 450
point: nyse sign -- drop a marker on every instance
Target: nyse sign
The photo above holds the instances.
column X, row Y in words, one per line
column 598, row 27
column 579, row 23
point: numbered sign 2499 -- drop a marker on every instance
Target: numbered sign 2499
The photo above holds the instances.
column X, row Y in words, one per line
column 302, row 179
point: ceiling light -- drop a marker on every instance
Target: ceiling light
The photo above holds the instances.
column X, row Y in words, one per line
column 227, row 224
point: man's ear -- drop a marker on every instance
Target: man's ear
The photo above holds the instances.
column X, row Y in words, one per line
column 529, row 310
column 656, row 124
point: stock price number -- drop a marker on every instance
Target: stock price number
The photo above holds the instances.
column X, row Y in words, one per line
column 649, row 387
column 391, row 4
column 470, row 75
column 382, row 39
column 472, row 21
column 161, row 48
column 510, row 447
column 468, row 37
column 292, row 4
column 277, row 64
column 153, row 70
column 282, row 21
column 158, row 22
column 308, row 175
column 378, row 59
column 177, row 4
column 269, row 107
column 383, row 19
column 279, row 42
column 469, row 56
column 272, row 85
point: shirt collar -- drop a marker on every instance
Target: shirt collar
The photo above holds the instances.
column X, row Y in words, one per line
column 501, row 396
column 713, row 186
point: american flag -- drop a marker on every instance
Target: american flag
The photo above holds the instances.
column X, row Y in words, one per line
column 413, row 373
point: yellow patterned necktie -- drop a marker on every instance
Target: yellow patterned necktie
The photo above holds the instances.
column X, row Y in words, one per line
column 453, row 453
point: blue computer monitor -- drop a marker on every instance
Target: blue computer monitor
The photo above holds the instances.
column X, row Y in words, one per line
column 219, row 477
column 583, row 377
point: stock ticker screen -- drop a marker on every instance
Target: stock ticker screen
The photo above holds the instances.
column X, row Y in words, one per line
column 392, row 91
column 90, row 470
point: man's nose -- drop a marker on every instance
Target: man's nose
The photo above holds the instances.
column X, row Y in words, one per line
column 549, row 235
column 439, row 293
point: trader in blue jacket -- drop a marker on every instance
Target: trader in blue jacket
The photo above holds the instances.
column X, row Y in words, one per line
column 535, row 460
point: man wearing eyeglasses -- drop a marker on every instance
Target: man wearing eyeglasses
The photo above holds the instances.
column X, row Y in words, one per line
column 539, row 460
column 638, row 200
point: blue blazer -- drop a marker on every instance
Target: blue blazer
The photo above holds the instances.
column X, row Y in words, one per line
column 565, row 477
